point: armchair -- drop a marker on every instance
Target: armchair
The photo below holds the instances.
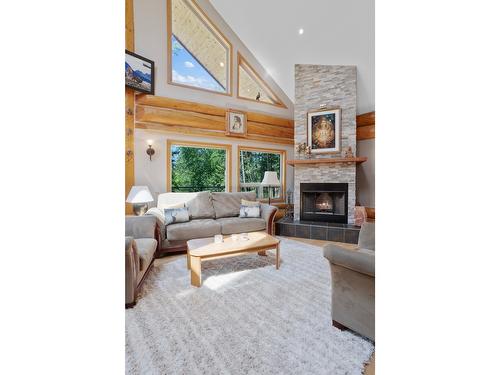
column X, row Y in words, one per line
column 353, row 283
column 140, row 247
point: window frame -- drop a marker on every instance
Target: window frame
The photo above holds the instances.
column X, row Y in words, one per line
column 194, row 144
column 253, row 74
column 282, row 154
column 218, row 34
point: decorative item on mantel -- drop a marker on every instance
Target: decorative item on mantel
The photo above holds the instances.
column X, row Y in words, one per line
column 303, row 148
column 348, row 153
column 360, row 215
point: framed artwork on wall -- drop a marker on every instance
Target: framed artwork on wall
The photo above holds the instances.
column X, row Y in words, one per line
column 236, row 123
column 139, row 73
column 323, row 130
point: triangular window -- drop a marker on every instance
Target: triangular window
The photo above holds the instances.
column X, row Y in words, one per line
column 199, row 54
column 252, row 87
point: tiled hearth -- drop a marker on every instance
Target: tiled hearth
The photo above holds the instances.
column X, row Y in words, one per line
column 318, row 230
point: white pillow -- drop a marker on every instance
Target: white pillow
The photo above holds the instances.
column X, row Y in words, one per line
column 249, row 211
column 160, row 215
column 244, row 202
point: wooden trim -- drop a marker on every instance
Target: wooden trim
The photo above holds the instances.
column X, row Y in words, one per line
column 283, row 168
column 129, row 108
column 365, row 132
column 370, row 212
column 129, row 25
column 179, row 116
column 176, row 130
column 226, row 147
column 183, row 105
column 211, row 26
column 356, row 160
column 365, row 126
column 244, row 63
column 366, row 119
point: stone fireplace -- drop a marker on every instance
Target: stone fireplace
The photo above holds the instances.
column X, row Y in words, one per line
column 322, row 87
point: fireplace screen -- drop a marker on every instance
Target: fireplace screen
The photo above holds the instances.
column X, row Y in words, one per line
column 324, row 202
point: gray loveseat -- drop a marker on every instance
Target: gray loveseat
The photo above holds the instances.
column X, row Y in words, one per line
column 210, row 214
column 140, row 248
column 353, row 283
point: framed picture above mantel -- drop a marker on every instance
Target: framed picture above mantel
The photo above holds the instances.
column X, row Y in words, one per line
column 323, row 130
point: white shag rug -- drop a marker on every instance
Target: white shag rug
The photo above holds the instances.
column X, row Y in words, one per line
column 247, row 318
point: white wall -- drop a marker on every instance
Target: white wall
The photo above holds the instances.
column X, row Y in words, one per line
column 336, row 32
column 150, row 27
column 154, row 173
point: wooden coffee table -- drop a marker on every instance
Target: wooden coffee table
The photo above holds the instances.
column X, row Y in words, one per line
column 205, row 248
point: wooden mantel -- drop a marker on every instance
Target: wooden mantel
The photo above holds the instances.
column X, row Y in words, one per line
column 357, row 160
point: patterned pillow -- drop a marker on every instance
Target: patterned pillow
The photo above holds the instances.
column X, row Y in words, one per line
column 244, row 202
column 176, row 215
column 249, row 211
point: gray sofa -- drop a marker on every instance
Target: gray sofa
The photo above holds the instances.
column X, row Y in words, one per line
column 353, row 283
column 210, row 214
column 140, row 248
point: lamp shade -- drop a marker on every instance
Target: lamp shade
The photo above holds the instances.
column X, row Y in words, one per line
column 270, row 179
column 139, row 194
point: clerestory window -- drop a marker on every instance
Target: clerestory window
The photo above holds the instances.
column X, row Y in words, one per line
column 199, row 55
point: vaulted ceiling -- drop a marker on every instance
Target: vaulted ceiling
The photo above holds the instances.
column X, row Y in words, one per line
column 336, row 32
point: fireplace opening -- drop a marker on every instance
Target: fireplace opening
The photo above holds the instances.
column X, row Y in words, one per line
column 324, row 202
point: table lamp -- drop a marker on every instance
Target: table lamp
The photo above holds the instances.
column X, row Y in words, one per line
column 139, row 196
column 270, row 179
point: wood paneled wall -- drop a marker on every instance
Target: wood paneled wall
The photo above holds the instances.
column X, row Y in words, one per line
column 365, row 126
column 129, row 107
column 160, row 113
column 365, row 129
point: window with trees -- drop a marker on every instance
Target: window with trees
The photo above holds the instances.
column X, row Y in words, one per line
column 252, row 87
column 198, row 167
column 253, row 163
column 199, row 55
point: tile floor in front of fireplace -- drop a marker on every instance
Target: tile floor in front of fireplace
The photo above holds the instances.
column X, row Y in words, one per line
column 318, row 230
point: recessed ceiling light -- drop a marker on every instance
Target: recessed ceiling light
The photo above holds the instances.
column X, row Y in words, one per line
column 222, row 64
column 301, row 31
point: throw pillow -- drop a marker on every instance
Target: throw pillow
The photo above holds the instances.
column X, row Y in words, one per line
column 249, row 211
column 176, row 215
column 244, row 202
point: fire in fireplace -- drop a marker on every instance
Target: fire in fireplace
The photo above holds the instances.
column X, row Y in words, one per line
column 324, row 202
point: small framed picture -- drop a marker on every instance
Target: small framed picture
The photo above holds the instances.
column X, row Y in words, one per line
column 139, row 73
column 323, row 130
column 236, row 123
